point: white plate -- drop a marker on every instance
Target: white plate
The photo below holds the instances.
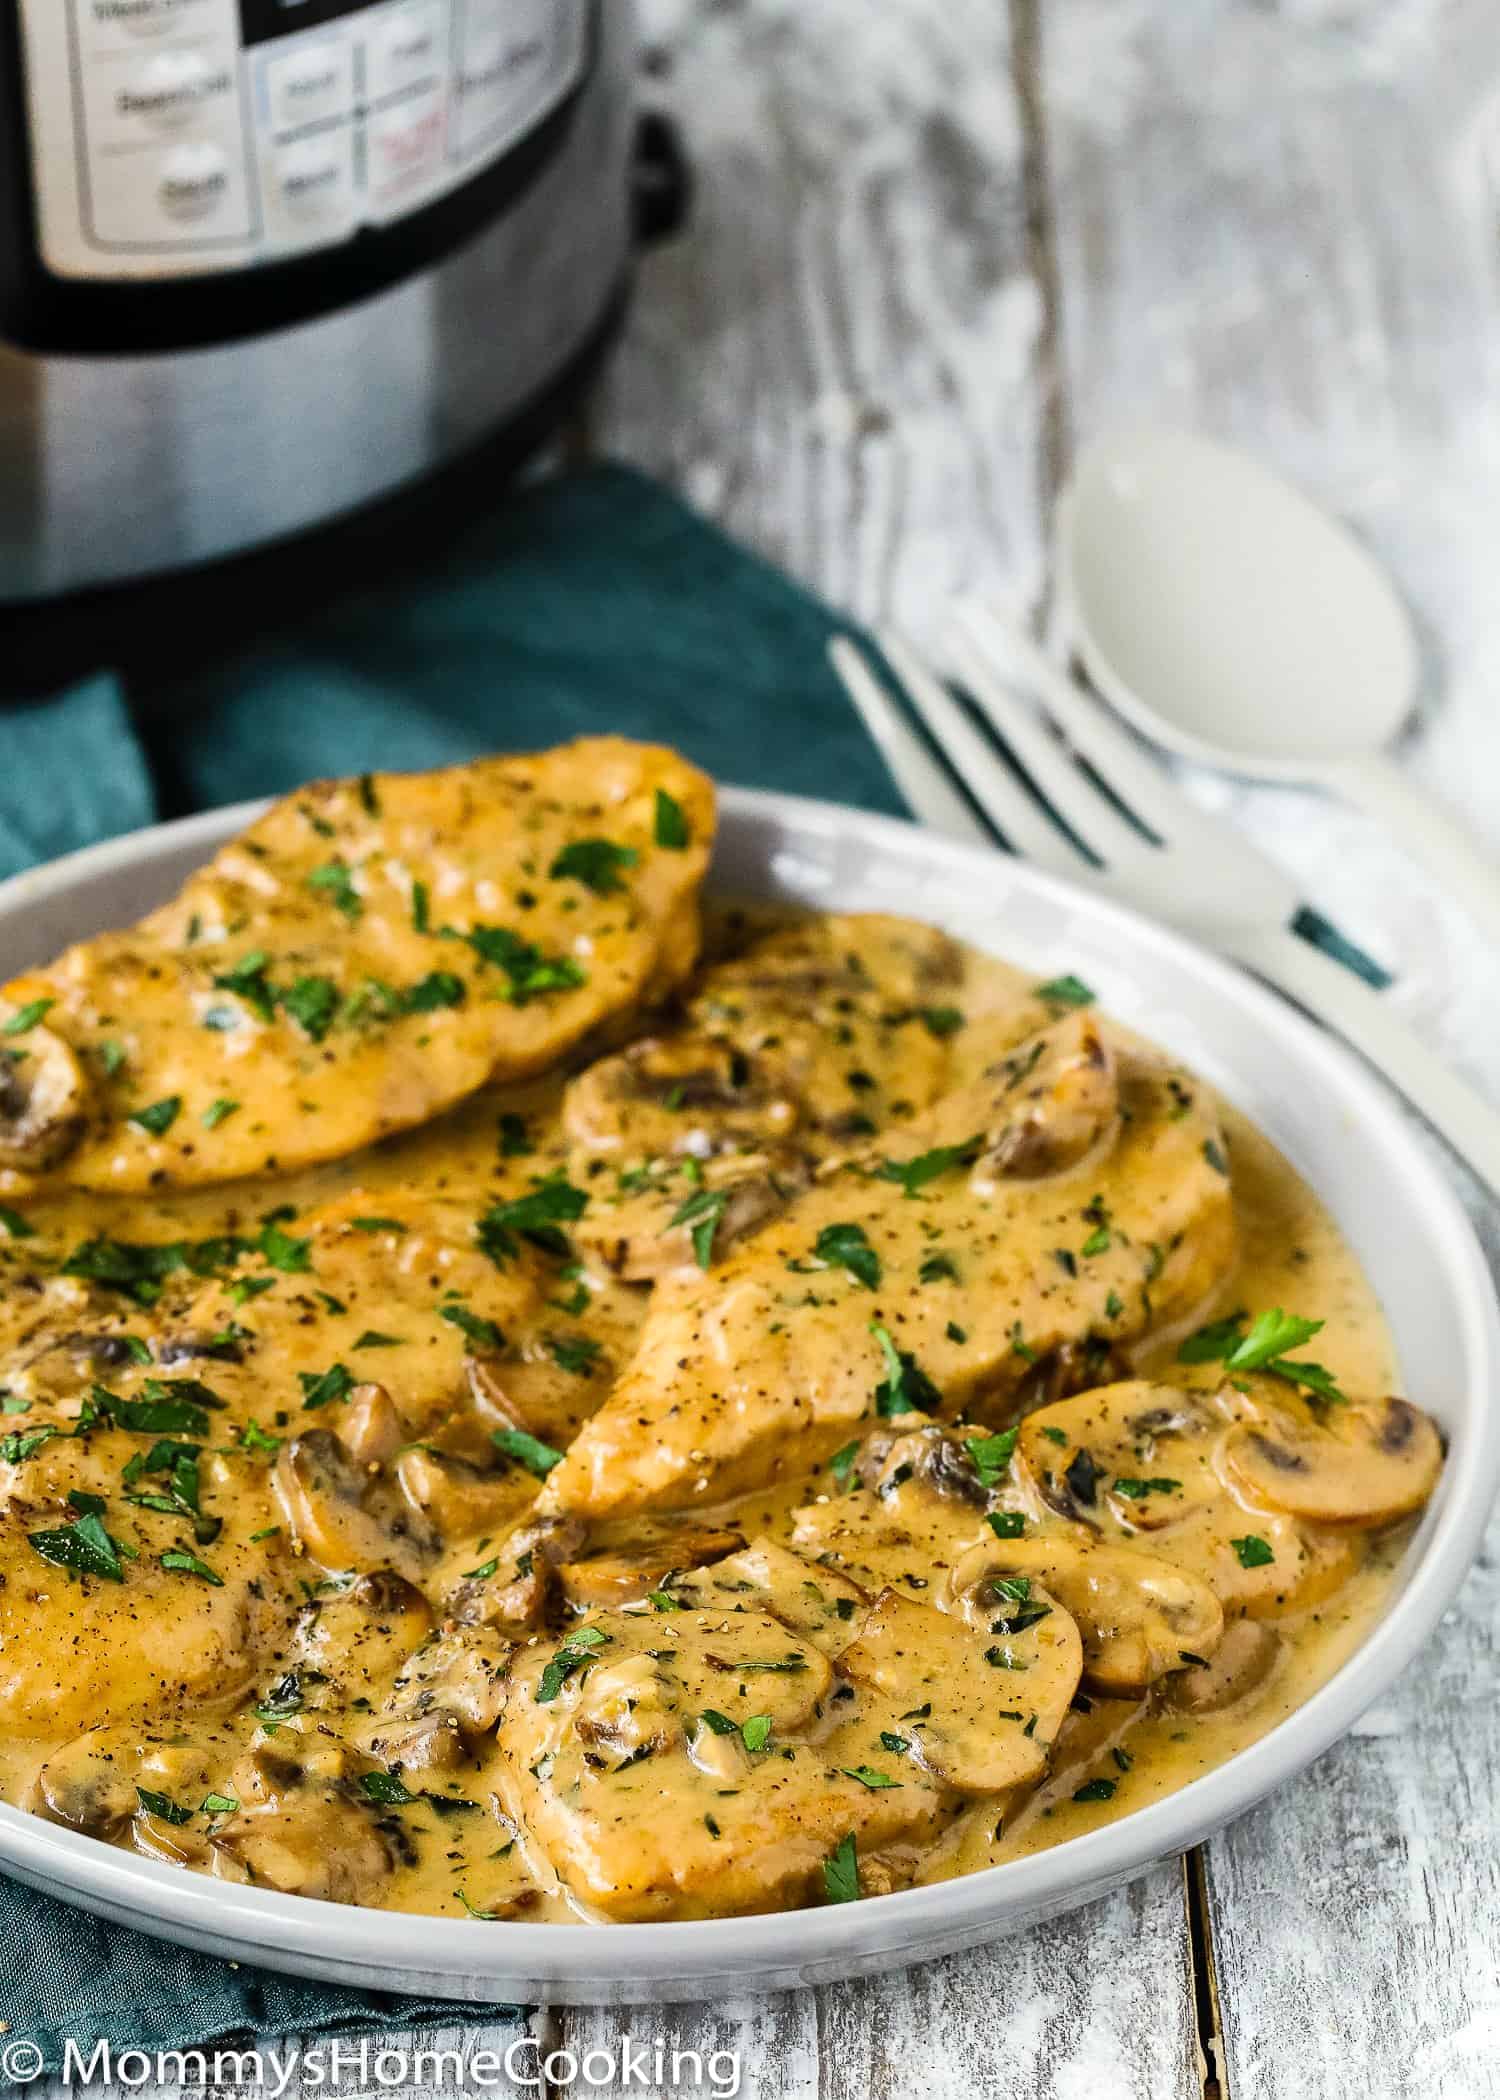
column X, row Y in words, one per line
column 1331, row 1120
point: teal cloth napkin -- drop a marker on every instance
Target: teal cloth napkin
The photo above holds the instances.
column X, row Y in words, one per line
column 590, row 603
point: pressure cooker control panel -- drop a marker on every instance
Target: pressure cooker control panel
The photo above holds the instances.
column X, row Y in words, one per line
column 190, row 137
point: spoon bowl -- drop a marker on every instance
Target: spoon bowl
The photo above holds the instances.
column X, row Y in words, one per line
column 1233, row 622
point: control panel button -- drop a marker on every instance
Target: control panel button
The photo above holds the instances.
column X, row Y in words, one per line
column 405, row 50
column 311, row 84
column 405, row 144
column 511, row 53
column 195, row 183
column 312, row 185
column 106, row 24
column 173, row 90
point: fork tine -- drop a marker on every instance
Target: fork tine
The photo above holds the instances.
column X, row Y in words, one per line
column 1027, row 829
column 1080, row 804
column 929, row 793
column 1087, row 724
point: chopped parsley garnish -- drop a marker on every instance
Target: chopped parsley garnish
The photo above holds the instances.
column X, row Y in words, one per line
column 162, row 1805
column 938, row 1268
column 1137, row 1490
column 439, row 988
column 514, row 1140
column 913, row 1175
column 841, row 1872
column 536, row 1217
column 178, row 1561
column 596, row 863
column 528, row 971
column 991, row 1456
column 672, row 829
column 15, row 1225
column 848, row 1247
column 321, row 1387
column 484, row 1334
column 1006, row 1523
column 867, row 1775
column 757, row 1732
column 372, row 1338
column 84, row 1548
column 703, row 1212
column 247, row 980
column 579, row 1648
column 1065, row 991
column 942, row 1021
column 283, row 1250
column 1213, row 1152
column 158, row 1119
column 717, row 1723
column 336, row 877
column 1252, row 1551
column 906, row 1387
column 841, row 1465
column 386, row 1788
column 1263, row 1349
column 420, row 906
column 1096, row 1790
column 527, row 1451
column 25, row 1018
column 1211, row 1344
column 312, row 1003
column 377, row 1224
column 575, row 1353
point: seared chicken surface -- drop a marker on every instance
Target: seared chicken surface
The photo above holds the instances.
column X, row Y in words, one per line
column 365, row 955
column 777, row 1432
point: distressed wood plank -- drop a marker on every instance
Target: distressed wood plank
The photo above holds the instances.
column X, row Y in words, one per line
column 845, row 361
column 1280, row 226
column 837, row 360
column 1094, row 2006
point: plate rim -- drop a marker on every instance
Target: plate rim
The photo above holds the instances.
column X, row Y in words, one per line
column 622, row 1962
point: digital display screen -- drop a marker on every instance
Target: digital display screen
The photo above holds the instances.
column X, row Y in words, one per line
column 260, row 20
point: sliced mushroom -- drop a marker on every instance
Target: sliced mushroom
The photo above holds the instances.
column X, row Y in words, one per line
column 1370, row 1463
column 516, row 1597
column 1142, row 1459
column 346, row 1516
column 625, row 1573
column 626, row 1712
column 1063, row 1100
column 44, row 1101
column 980, row 1708
column 1138, row 1615
column 1072, row 1367
column 304, row 1825
column 357, row 1638
column 457, row 1500
column 90, row 1784
column 817, row 1602
column 1242, row 1662
column 684, row 1093
column 370, row 1429
column 448, row 1695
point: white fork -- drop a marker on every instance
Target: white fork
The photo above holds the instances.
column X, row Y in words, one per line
column 1194, row 871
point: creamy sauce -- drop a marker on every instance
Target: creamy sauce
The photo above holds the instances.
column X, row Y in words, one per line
column 502, row 1841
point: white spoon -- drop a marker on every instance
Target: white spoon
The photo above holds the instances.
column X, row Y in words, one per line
column 1233, row 622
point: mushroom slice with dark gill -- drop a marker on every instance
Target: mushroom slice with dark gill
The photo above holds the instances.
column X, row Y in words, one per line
column 643, row 1560
column 348, row 1516
column 1138, row 1615
column 1060, row 1099
column 1366, row 1464
column 44, row 1100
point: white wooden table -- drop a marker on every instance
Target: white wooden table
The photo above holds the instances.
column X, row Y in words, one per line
column 936, row 242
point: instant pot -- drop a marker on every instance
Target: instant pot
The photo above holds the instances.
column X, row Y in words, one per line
column 263, row 262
